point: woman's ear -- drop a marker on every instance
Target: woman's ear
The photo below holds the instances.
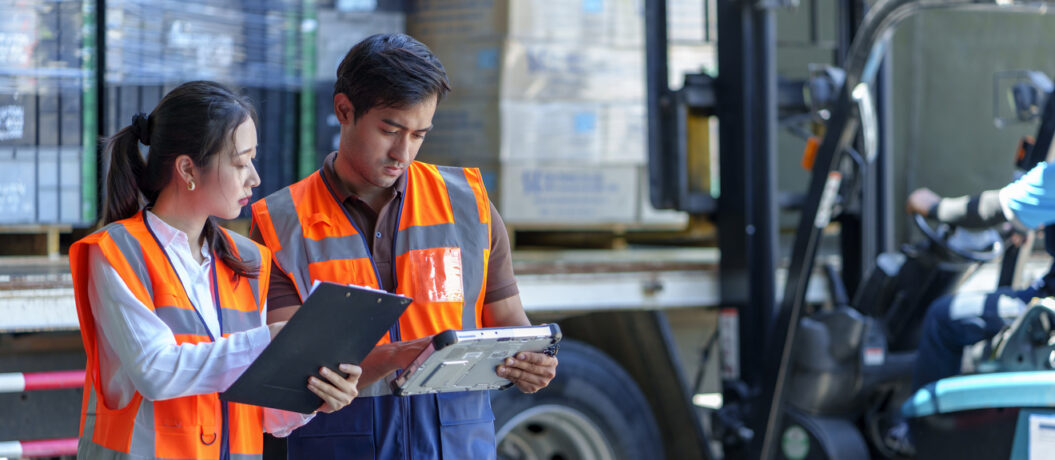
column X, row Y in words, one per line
column 186, row 171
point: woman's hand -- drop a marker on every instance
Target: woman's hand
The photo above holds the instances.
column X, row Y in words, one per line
column 336, row 391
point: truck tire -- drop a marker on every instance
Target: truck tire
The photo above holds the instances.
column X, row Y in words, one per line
column 592, row 410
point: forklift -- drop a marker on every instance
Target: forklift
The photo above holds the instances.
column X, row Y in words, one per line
column 825, row 383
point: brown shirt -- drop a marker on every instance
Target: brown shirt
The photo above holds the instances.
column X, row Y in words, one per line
column 378, row 229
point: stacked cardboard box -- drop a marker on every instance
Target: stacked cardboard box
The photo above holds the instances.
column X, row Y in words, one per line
column 41, row 115
column 548, row 100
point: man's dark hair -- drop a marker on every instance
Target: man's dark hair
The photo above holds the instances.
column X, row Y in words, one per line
column 390, row 70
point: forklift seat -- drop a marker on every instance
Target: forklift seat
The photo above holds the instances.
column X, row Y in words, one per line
column 980, row 416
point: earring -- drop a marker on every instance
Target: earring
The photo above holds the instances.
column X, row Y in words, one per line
column 190, row 186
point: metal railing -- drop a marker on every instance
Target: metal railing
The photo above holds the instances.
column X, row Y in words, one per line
column 18, row 382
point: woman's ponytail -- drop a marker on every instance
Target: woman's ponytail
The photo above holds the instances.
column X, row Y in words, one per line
column 124, row 196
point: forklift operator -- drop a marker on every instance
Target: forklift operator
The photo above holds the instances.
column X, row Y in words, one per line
column 958, row 320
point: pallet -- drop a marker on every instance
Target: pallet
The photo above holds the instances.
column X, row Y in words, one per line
column 699, row 232
column 34, row 240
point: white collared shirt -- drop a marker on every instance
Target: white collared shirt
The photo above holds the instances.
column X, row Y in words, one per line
column 138, row 352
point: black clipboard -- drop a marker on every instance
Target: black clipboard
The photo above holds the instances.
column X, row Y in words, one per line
column 336, row 324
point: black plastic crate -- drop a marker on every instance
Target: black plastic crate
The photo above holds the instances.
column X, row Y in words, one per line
column 239, row 43
column 277, row 124
column 42, row 116
column 40, row 185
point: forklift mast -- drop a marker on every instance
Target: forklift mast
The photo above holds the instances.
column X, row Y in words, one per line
column 745, row 97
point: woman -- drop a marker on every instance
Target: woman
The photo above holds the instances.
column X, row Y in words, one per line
column 172, row 306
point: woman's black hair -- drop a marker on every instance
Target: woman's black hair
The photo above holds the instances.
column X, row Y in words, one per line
column 390, row 70
column 198, row 119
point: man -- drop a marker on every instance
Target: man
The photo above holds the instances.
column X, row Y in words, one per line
column 372, row 216
column 957, row 320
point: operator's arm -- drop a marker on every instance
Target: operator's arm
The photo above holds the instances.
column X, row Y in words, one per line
column 972, row 211
column 1028, row 202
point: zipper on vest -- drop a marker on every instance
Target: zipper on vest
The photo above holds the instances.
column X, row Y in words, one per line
column 225, row 441
column 225, row 450
column 393, row 332
column 405, row 409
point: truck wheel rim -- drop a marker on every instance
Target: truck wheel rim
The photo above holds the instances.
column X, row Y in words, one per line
column 552, row 431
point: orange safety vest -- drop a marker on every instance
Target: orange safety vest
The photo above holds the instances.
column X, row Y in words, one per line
column 442, row 244
column 189, row 427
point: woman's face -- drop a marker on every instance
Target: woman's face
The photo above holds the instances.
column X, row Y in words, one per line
column 231, row 175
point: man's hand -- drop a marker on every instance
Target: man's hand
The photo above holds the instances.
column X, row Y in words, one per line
column 921, row 202
column 390, row 357
column 336, row 392
column 530, row 372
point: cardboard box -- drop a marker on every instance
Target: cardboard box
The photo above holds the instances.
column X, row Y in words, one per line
column 338, row 32
column 566, row 72
column 625, row 134
column 586, row 22
column 523, row 131
column 552, row 131
column 550, row 95
column 686, row 59
column 685, row 21
column 568, row 195
column 657, row 218
column 466, row 130
column 433, row 21
column 540, row 71
column 473, row 68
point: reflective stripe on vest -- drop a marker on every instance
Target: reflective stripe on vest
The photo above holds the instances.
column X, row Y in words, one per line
column 442, row 244
column 180, row 428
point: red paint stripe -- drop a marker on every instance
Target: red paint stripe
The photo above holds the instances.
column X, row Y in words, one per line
column 54, row 380
column 49, row 447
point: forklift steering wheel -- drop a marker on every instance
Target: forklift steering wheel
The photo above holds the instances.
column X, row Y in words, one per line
column 943, row 234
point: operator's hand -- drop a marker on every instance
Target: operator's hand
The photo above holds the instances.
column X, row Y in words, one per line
column 336, row 391
column 921, row 202
column 390, row 357
column 530, row 372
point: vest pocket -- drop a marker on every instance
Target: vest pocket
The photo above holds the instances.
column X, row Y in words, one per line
column 347, row 433
column 173, row 440
column 467, row 428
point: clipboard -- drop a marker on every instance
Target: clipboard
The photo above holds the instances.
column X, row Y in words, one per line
column 336, row 324
column 466, row 360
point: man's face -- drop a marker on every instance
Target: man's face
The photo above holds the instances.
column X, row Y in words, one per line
column 376, row 149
